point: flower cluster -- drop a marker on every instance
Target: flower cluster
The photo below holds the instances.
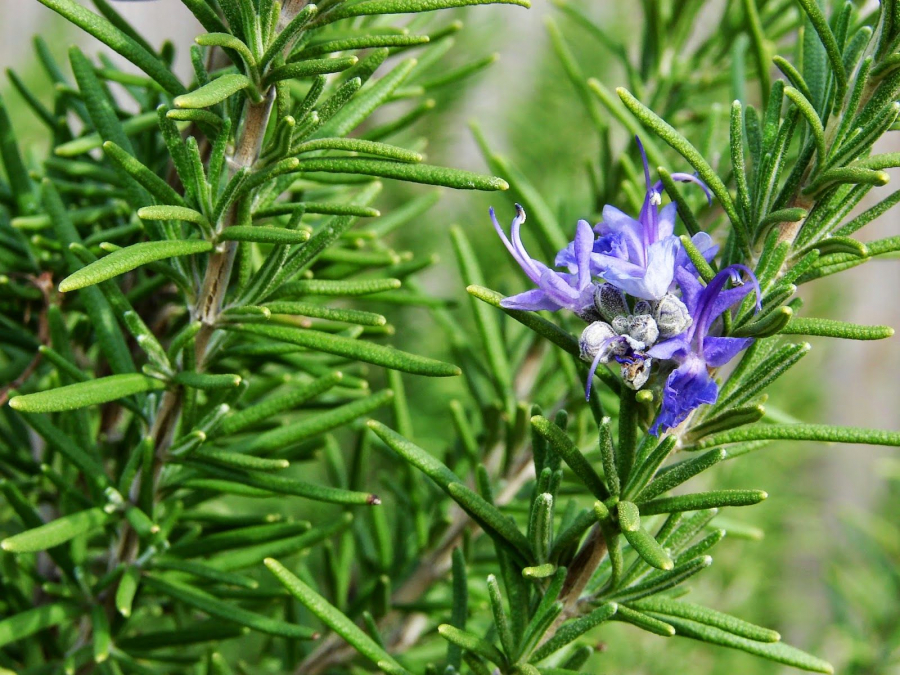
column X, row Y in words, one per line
column 642, row 297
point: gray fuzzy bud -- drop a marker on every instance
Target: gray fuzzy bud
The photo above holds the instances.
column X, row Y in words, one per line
column 643, row 329
column 596, row 337
column 672, row 317
column 642, row 307
column 610, row 301
column 621, row 324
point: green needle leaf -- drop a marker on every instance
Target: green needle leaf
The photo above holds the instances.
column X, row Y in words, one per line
column 561, row 444
column 129, row 258
column 774, row 651
column 472, row 643
column 372, row 7
column 706, row 616
column 573, row 630
column 703, row 500
column 332, row 616
column 56, row 532
column 228, row 611
column 166, row 212
column 20, row 626
column 311, row 68
column 264, row 235
column 836, row 329
column 823, row 433
column 642, row 541
column 84, row 394
column 111, row 36
column 679, row 143
column 414, row 173
column 215, row 92
column 820, row 23
column 380, row 355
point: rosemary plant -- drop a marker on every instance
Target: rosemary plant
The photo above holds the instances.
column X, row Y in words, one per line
column 187, row 311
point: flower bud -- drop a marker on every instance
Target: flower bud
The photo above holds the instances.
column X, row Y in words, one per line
column 672, row 317
column 610, row 302
column 643, row 329
column 642, row 307
column 597, row 337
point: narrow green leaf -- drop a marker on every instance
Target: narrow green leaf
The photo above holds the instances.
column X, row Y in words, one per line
column 354, row 316
column 206, row 381
column 681, row 145
column 676, row 474
column 696, row 257
column 274, row 405
column 823, row 433
column 167, row 212
column 644, row 621
column 129, row 258
column 374, row 7
column 83, row 394
column 414, row 173
column 539, row 325
column 561, row 444
column 211, row 630
column 215, row 92
column 812, row 118
column 774, row 651
column 472, row 643
column 572, row 630
column 379, row 355
column 642, row 541
column 239, row 460
column 728, row 419
column 127, row 589
column 25, row 624
column 836, row 329
column 501, row 527
column 708, row 617
column 227, row 611
column 111, row 36
column 832, row 49
column 311, row 68
column 290, row 434
column 84, row 144
column 339, row 288
column 56, row 532
column 204, row 571
column 659, row 582
column 703, row 500
column 460, row 608
column 289, row 486
column 331, row 616
column 264, row 235
column 155, row 185
column 225, row 41
column 358, row 145
column 419, row 458
column 770, row 324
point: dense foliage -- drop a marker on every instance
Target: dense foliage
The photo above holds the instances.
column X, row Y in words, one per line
column 195, row 287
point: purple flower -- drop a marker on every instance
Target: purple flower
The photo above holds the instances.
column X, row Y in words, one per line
column 639, row 256
column 555, row 290
column 690, row 385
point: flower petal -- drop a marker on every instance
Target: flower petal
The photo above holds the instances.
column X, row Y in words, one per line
column 688, row 387
column 717, row 351
column 531, row 301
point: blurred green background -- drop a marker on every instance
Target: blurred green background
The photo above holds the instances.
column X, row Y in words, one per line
column 827, row 572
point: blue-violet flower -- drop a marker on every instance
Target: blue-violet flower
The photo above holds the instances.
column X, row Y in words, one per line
column 690, row 384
